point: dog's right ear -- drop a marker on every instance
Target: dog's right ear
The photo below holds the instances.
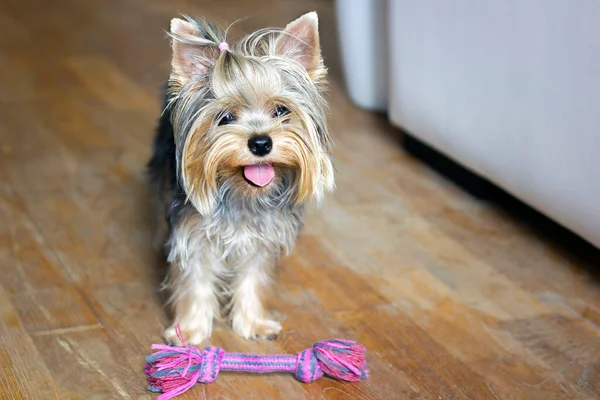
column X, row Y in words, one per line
column 300, row 42
column 192, row 54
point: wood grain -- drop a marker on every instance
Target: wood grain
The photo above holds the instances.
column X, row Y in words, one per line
column 453, row 298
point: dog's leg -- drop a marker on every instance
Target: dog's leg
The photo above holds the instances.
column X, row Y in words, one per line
column 192, row 281
column 247, row 314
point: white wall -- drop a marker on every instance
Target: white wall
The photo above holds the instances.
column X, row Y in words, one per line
column 363, row 31
column 511, row 89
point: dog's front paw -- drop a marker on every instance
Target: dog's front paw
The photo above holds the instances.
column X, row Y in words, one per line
column 192, row 335
column 256, row 329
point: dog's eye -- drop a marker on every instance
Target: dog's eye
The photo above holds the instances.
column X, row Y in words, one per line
column 280, row 111
column 226, row 119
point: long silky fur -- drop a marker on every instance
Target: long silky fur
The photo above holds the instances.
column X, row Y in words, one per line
column 224, row 236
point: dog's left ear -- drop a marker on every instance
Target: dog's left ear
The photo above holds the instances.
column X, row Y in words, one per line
column 300, row 42
column 193, row 54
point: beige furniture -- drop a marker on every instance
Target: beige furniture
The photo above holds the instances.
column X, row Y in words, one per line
column 510, row 89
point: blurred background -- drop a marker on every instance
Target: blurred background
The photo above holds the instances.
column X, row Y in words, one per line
column 460, row 245
column 508, row 89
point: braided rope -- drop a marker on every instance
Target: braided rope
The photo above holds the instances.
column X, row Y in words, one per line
column 174, row 370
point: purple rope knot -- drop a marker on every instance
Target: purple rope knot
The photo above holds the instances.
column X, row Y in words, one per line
column 211, row 364
column 308, row 369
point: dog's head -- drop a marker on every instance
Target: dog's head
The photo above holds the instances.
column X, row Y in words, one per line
column 250, row 118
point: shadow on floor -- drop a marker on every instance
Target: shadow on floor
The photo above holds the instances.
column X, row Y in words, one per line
column 562, row 239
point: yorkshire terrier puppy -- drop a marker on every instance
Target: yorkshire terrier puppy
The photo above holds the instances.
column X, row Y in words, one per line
column 242, row 146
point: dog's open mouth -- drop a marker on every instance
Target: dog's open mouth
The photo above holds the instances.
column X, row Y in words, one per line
column 259, row 174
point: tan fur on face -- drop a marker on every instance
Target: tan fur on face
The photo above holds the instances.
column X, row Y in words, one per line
column 266, row 69
column 235, row 177
column 224, row 151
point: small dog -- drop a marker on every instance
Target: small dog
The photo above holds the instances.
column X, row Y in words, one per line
column 242, row 146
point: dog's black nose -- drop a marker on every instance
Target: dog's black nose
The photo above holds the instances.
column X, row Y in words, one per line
column 260, row 145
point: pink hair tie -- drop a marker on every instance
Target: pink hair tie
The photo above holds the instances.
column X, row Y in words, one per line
column 223, row 46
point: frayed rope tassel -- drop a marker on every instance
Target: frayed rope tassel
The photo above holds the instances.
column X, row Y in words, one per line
column 174, row 370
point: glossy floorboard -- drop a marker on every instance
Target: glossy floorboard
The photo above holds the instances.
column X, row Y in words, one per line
column 453, row 298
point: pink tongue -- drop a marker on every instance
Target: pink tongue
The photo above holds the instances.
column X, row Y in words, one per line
column 260, row 175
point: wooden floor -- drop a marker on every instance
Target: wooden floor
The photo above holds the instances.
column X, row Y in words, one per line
column 454, row 299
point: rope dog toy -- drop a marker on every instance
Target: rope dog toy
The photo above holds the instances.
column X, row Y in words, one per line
column 174, row 370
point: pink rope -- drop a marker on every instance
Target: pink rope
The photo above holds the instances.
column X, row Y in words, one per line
column 174, row 370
